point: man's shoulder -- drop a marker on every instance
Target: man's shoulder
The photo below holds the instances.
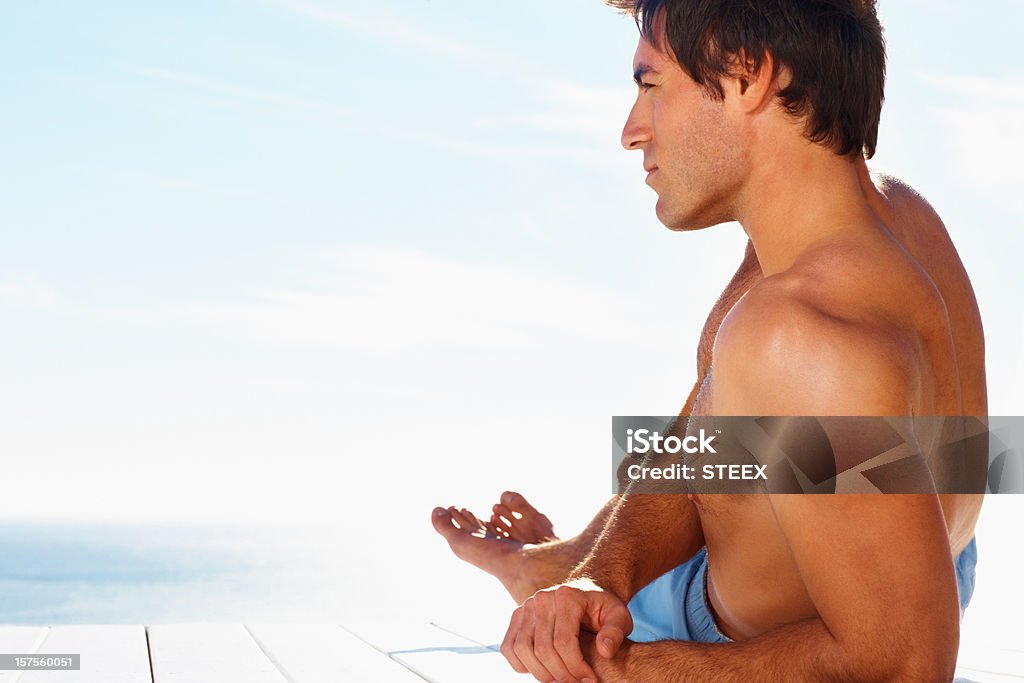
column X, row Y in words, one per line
column 908, row 204
column 865, row 284
column 794, row 321
column 798, row 344
column 839, row 290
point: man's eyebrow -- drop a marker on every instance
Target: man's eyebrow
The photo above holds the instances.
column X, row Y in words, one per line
column 641, row 71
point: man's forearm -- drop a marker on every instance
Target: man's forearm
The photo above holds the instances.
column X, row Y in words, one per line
column 555, row 562
column 549, row 564
column 645, row 536
column 804, row 651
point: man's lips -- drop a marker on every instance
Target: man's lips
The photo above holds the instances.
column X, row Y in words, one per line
column 650, row 169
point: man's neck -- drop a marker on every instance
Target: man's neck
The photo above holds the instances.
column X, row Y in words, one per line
column 799, row 197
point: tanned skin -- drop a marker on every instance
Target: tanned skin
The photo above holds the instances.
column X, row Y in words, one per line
column 861, row 307
column 512, row 545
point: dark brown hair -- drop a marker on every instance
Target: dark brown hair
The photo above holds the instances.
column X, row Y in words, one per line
column 834, row 50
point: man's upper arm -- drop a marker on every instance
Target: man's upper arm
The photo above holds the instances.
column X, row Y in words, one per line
column 878, row 570
column 877, row 567
column 778, row 356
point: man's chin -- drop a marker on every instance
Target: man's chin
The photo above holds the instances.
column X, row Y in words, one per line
column 676, row 220
column 685, row 221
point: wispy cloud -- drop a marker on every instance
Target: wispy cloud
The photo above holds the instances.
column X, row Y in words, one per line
column 236, row 91
column 390, row 299
column 392, row 29
column 564, row 106
column 23, row 290
column 574, row 109
column 569, row 108
column 588, row 119
column 185, row 184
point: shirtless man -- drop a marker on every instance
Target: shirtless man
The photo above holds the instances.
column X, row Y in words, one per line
column 861, row 307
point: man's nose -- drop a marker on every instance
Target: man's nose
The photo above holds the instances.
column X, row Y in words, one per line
column 636, row 133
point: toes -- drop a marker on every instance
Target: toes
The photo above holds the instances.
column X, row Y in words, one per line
column 442, row 521
column 525, row 523
column 475, row 523
column 498, row 526
column 466, row 520
column 503, row 512
column 516, row 502
column 459, row 519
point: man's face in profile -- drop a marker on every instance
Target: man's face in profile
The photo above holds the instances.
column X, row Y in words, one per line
column 692, row 150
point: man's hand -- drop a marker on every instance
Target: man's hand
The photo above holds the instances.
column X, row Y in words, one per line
column 543, row 636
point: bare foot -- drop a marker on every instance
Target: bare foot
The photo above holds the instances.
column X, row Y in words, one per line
column 516, row 519
column 493, row 548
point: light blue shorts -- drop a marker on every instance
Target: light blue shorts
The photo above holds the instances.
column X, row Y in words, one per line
column 675, row 606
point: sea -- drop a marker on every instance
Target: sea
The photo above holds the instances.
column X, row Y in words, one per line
column 61, row 572
column 67, row 572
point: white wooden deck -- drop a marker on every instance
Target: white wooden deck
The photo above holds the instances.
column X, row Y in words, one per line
column 311, row 653
column 256, row 653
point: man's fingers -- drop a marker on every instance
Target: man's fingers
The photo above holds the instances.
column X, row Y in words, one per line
column 509, row 641
column 609, row 639
column 566, row 638
column 549, row 614
column 543, row 637
column 524, row 644
column 612, row 621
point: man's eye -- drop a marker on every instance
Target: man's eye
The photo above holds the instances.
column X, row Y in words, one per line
column 645, row 86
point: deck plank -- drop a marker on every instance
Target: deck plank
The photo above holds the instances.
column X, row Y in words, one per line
column 438, row 655
column 109, row 654
column 20, row 640
column 204, row 653
column 455, row 652
column 326, row 653
column 487, row 632
column 967, row 675
column 979, row 662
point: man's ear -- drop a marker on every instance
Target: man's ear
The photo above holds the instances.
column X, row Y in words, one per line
column 752, row 85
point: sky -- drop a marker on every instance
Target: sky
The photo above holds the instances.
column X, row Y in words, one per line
column 334, row 263
column 267, row 261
